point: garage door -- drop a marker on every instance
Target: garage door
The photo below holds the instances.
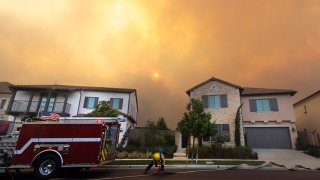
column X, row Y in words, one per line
column 268, row 138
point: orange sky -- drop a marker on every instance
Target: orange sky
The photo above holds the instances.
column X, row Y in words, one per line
column 271, row 43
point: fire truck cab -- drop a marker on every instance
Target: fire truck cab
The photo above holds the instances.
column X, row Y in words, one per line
column 70, row 143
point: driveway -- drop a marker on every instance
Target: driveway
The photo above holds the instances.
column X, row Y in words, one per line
column 288, row 157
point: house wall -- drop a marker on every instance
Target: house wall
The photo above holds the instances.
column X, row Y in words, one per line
column 73, row 99
column 308, row 119
column 222, row 115
column 283, row 118
column 133, row 106
column 103, row 96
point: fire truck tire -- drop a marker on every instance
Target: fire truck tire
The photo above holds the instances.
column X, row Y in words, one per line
column 47, row 166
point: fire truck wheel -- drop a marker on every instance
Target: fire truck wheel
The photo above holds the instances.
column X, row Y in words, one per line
column 47, row 166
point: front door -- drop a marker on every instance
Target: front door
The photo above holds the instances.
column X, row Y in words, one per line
column 184, row 141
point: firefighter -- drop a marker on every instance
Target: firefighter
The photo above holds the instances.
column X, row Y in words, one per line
column 156, row 158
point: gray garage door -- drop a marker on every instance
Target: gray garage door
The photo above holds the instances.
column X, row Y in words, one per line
column 268, row 138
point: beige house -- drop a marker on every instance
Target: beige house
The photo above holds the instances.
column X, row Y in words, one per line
column 267, row 117
column 222, row 100
column 307, row 112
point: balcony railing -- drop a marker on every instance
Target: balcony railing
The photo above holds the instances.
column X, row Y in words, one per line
column 21, row 106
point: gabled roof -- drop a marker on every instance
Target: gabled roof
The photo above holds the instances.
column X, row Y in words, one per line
column 307, row 98
column 249, row 91
column 212, row 79
column 70, row 88
column 4, row 87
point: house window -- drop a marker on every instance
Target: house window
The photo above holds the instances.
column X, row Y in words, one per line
column 52, row 100
column 43, row 102
column 215, row 101
column 263, row 105
column 3, row 103
column 223, row 134
column 305, row 109
column 90, row 102
column 116, row 103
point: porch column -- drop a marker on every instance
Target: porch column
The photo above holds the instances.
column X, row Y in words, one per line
column 48, row 101
column 29, row 103
column 65, row 102
column 13, row 95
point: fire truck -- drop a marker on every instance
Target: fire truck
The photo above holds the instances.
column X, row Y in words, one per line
column 48, row 146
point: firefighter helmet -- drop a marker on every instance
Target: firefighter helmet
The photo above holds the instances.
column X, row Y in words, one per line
column 156, row 156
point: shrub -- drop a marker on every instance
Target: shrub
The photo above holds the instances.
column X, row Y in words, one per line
column 133, row 155
column 314, row 151
column 122, row 155
column 218, row 152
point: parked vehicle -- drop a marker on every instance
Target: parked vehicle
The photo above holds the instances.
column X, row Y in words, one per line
column 49, row 146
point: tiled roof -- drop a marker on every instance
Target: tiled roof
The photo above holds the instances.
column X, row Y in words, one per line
column 247, row 91
column 307, row 98
column 4, row 87
column 212, row 79
column 70, row 88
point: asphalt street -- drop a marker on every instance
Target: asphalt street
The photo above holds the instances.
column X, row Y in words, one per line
column 186, row 174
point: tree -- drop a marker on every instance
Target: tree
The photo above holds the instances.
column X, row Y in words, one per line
column 237, row 129
column 196, row 122
column 161, row 124
column 104, row 109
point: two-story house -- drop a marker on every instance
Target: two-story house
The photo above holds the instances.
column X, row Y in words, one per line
column 267, row 115
column 69, row 101
column 221, row 99
column 268, row 118
column 307, row 112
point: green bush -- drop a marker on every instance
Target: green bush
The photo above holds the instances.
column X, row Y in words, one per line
column 314, row 151
column 218, row 152
column 132, row 155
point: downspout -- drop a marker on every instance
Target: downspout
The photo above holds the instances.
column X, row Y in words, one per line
column 129, row 105
column 79, row 102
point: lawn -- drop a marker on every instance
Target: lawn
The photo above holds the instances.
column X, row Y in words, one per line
column 182, row 162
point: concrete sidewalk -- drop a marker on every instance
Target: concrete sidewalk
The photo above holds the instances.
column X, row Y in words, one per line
column 288, row 158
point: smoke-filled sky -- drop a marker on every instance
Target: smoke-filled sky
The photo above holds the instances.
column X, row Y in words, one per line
column 254, row 43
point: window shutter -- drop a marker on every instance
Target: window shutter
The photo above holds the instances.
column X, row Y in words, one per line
column 274, row 104
column 111, row 102
column 224, row 101
column 96, row 100
column 205, row 101
column 85, row 104
column 253, row 105
column 120, row 103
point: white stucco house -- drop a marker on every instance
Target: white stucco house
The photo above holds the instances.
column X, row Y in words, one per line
column 69, row 101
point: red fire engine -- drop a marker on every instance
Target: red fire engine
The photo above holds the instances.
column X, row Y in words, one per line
column 49, row 146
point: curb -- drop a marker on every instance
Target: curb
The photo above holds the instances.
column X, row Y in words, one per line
column 218, row 167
